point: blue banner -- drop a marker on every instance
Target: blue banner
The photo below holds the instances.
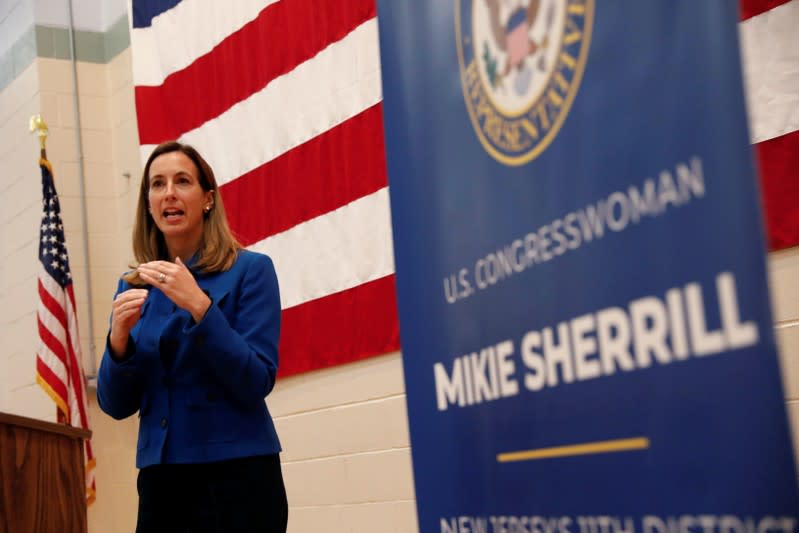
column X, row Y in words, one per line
column 585, row 323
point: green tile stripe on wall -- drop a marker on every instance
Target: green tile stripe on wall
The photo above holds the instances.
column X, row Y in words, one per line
column 53, row 42
column 117, row 38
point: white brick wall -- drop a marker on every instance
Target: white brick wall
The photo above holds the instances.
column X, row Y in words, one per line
column 784, row 279
column 20, row 213
column 346, row 455
column 16, row 17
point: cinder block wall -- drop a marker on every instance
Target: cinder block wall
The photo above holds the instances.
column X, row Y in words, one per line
column 20, row 214
column 784, row 288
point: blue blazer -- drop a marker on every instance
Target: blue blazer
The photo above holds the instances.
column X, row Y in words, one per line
column 199, row 388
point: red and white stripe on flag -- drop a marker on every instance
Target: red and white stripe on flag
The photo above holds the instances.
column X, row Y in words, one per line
column 58, row 357
column 771, row 77
column 283, row 98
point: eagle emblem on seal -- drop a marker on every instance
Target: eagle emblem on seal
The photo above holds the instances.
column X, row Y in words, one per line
column 521, row 63
column 513, row 37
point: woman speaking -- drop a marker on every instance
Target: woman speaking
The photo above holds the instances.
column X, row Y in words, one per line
column 193, row 348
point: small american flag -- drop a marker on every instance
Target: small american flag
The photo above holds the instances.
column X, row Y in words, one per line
column 58, row 359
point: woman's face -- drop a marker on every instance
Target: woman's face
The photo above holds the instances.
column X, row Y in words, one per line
column 176, row 200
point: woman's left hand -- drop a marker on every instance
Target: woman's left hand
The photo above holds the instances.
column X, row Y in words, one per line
column 176, row 281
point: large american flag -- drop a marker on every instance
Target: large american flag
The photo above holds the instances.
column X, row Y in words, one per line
column 284, row 100
column 59, row 370
column 770, row 53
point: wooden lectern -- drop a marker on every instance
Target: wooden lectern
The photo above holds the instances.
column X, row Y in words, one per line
column 42, row 479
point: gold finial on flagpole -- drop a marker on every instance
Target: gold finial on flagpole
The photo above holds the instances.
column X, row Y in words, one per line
column 38, row 125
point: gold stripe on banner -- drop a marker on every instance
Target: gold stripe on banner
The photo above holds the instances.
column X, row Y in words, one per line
column 587, row 448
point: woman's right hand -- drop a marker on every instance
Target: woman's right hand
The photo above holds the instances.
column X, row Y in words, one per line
column 125, row 312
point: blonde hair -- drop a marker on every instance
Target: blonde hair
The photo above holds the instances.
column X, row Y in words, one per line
column 218, row 247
